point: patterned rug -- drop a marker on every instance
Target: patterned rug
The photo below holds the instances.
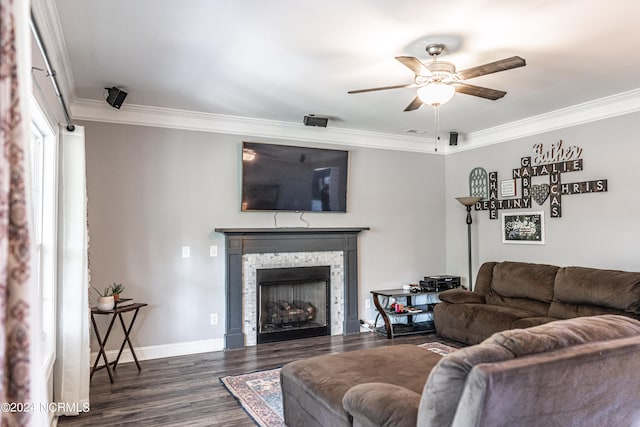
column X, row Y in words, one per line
column 260, row 395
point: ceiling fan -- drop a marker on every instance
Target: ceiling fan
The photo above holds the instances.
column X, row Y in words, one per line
column 438, row 81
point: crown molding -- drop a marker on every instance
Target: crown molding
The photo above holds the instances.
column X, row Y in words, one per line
column 599, row 109
column 591, row 111
column 91, row 110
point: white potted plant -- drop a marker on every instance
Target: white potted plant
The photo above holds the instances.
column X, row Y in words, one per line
column 106, row 301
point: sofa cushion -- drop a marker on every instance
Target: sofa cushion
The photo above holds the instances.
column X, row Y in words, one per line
column 380, row 404
column 472, row 323
column 447, row 381
column 528, row 322
column 461, row 296
column 538, row 307
column 483, row 279
column 605, row 288
column 450, row 325
column 562, row 310
column 565, row 333
column 524, row 280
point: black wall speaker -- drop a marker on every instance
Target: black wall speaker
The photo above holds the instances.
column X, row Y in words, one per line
column 453, row 138
column 116, row 97
column 312, row 120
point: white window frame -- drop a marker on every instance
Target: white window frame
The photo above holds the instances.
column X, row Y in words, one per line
column 44, row 177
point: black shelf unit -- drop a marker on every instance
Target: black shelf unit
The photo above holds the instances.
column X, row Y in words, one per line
column 416, row 323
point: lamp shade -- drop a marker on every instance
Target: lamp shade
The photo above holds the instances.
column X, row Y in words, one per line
column 436, row 93
column 468, row 201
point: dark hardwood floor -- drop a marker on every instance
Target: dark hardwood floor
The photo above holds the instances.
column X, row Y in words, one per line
column 186, row 390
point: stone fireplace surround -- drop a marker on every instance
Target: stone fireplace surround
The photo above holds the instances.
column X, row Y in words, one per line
column 287, row 247
column 251, row 263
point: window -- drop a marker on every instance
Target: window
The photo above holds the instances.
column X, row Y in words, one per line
column 43, row 168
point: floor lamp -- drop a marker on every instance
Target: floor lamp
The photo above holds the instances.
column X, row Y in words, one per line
column 468, row 202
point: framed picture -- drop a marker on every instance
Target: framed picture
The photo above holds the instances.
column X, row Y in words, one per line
column 523, row 228
column 508, row 188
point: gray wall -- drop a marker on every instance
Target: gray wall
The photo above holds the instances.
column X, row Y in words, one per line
column 153, row 190
column 595, row 230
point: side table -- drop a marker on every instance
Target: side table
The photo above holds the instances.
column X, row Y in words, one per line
column 381, row 299
column 116, row 312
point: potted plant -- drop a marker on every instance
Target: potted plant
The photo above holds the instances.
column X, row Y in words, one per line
column 106, row 301
column 116, row 290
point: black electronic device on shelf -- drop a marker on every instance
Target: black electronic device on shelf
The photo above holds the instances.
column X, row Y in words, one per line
column 439, row 283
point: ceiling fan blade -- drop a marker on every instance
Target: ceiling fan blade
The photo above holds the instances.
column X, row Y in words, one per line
column 381, row 88
column 415, row 104
column 492, row 67
column 414, row 65
column 482, row 92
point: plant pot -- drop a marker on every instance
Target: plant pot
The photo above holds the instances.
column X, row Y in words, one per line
column 116, row 297
column 106, row 303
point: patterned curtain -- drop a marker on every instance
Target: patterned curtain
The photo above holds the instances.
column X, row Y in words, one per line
column 14, row 230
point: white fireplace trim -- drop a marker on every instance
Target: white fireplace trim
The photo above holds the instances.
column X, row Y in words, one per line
column 252, row 262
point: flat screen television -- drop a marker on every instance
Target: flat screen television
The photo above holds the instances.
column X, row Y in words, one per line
column 287, row 178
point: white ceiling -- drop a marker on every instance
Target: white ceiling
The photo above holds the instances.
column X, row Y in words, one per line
column 278, row 60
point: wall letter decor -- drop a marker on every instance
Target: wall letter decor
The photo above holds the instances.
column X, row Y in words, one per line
column 553, row 163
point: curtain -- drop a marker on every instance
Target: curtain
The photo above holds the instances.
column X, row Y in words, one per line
column 20, row 374
column 71, row 370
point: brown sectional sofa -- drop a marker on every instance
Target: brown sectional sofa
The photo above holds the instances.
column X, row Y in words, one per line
column 510, row 295
column 577, row 372
column 582, row 370
column 312, row 389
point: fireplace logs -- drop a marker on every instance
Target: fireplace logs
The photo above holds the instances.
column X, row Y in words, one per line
column 308, row 308
column 283, row 312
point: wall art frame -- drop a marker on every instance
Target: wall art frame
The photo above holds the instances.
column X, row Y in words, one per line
column 523, row 228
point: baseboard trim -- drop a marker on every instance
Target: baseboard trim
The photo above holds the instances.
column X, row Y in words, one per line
column 165, row 350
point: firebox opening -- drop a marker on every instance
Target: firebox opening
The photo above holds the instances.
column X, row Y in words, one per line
column 293, row 303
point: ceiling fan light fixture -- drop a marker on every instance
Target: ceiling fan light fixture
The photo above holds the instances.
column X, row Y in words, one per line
column 436, row 93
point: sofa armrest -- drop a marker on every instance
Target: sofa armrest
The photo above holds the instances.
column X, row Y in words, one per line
column 381, row 404
column 460, row 296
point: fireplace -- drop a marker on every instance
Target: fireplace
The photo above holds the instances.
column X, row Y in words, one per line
column 293, row 303
column 248, row 250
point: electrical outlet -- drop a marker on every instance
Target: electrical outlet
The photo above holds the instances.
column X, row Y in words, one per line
column 367, row 303
column 213, row 319
column 186, row 251
column 213, row 251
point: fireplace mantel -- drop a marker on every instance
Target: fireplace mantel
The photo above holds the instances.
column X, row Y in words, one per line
column 240, row 241
column 288, row 230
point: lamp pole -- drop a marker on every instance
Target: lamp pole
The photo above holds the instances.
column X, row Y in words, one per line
column 468, row 202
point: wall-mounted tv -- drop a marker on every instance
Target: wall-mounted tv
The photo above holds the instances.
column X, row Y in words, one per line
column 287, row 178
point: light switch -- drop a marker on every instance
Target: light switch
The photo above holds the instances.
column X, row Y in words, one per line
column 213, row 251
column 186, row 251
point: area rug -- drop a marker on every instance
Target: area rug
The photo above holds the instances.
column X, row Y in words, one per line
column 260, row 395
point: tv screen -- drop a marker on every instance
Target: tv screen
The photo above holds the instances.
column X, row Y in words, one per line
column 287, row 178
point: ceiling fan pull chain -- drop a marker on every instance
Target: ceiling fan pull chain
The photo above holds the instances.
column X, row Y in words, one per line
column 436, row 109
